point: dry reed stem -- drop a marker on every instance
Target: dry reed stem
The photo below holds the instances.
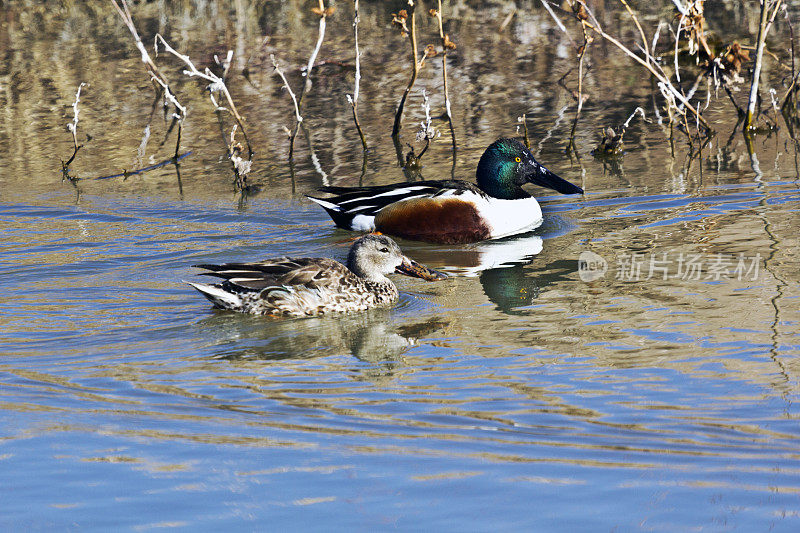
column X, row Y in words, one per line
column 426, row 131
column 639, row 27
column 684, row 11
column 157, row 78
column 415, row 66
column 791, row 36
column 581, row 56
column 659, row 75
column 579, row 97
column 168, row 96
column 241, row 166
column 354, row 98
column 611, row 144
column 554, row 17
column 588, row 20
column 787, row 98
column 445, row 45
column 217, row 84
column 73, row 128
column 127, row 18
column 524, row 120
column 323, row 13
column 763, row 28
column 508, row 19
column 225, row 64
column 298, row 117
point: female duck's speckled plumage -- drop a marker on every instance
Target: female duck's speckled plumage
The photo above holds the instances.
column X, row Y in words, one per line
column 313, row 286
column 452, row 211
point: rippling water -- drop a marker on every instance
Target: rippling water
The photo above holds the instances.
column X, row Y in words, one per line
column 516, row 394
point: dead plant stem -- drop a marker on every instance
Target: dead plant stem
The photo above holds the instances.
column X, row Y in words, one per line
column 313, row 58
column 415, row 66
column 639, row 27
column 354, row 99
column 445, row 45
column 763, row 29
column 216, row 84
column 298, row 117
column 595, row 25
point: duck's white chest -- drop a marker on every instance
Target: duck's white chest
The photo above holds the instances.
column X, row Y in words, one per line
column 509, row 217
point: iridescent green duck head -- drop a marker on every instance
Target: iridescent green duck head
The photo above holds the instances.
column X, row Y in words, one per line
column 507, row 164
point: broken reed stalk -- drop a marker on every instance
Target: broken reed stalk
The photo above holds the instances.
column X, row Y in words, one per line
column 581, row 15
column 216, row 84
column 179, row 115
column 508, row 19
column 639, row 27
column 684, row 12
column 400, row 20
column 627, row 123
column 446, row 44
column 298, row 118
column 159, row 81
column 425, row 133
column 241, row 166
column 73, row 128
column 323, row 13
column 354, row 98
column 647, row 63
column 581, row 56
column 224, row 64
column 524, row 120
column 763, row 28
column 127, row 18
column 554, row 17
column 787, row 98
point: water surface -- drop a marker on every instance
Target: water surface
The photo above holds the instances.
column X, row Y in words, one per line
column 515, row 395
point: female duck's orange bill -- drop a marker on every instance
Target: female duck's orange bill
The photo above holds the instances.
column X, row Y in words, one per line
column 409, row 267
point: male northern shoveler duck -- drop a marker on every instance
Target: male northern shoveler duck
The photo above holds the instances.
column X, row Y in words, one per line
column 452, row 211
column 314, row 286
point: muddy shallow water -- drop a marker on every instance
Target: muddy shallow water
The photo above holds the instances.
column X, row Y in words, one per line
column 660, row 393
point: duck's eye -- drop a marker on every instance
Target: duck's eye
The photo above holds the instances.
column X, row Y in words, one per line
column 517, row 159
column 384, row 250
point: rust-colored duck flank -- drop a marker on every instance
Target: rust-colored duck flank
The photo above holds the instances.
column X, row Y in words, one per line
column 313, row 286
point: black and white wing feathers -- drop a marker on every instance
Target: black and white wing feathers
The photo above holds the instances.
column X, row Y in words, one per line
column 348, row 202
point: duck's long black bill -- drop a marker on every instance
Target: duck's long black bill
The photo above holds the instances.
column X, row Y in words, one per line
column 409, row 267
column 545, row 178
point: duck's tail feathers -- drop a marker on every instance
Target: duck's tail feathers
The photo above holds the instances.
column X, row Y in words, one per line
column 217, row 295
column 339, row 217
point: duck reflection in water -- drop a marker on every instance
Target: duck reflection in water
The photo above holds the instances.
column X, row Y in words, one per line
column 378, row 335
column 499, row 266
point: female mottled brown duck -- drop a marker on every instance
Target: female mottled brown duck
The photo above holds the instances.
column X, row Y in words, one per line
column 314, row 286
